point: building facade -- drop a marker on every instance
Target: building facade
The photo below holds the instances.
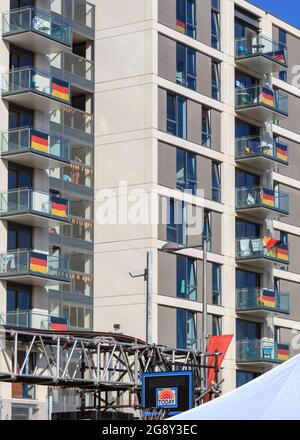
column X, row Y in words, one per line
column 105, row 100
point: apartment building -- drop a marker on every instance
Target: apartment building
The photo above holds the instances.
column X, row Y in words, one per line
column 105, row 99
column 201, row 94
column 47, row 179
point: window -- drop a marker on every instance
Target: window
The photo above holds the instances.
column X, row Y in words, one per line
column 216, row 284
column 282, row 41
column 19, row 237
column 243, row 377
column 176, row 115
column 215, row 81
column 186, row 274
column 20, row 118
column 207, row 229
column 186, row 17
column 246, row 229
column 216, row 326
column 79, row 317
column 247, row 280
column 18, row 304
column 186, row 66
column 215, row 24
column 216, row 182
column 247, row 330
column 246, row 180
column 176, row 228
column 186, row 178
column 206, row 128
column 186, row 330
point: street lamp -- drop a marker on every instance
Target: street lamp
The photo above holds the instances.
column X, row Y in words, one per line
column 174, row 247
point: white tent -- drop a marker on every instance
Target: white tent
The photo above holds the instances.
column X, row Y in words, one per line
column 274, row 395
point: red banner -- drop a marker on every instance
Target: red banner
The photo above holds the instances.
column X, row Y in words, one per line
column 218, row 344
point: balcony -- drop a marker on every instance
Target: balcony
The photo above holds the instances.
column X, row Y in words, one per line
column 35, row 90
column 73, row 123
column 261, row 302
column 34, row 208
column 261, row 202
column 36, row 30
column 259, row 153
column 261, row 103
column 263, row 252
column 78, row 71
column 261, row 352
column 80, row 14
column 261, row 54
column 29, row 319
column 34, row 268
column 34, row 148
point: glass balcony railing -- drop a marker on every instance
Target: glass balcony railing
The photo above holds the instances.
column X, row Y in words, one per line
column 29, row 19
column 24, row 140
column 35, row 263
column 262, row 96
column 262, row 248
column 262, row 299
column 78, row 11
column 260, row 197
column 29, row 319
column 76, row 120
column 77, row 68
column 255, row 147
column 261, row 351
column 258, row 45
column 30, row 201
column 31, row 80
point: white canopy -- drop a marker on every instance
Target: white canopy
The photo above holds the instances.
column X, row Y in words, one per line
column 274, row 395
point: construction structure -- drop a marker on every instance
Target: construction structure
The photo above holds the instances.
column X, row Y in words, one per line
column 105, row 367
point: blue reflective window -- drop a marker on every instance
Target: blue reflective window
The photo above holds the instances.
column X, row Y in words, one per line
column 246, row 229
column 216, row 182
column 186, row 276
column 186, row 66
column 243, row 377
column 215, row 81
column 186, row 334
column 186, row 176
column 176, row 227
column 176, row 115
column 216, row 284
column 247, row 330
column 206, row 127
column 186, row 17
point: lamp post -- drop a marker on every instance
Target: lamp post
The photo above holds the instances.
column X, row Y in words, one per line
column 174, row 247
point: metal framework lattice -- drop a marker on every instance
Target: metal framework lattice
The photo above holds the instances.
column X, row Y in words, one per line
column 107, row 366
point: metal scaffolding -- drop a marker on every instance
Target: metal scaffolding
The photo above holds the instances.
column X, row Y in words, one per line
column 108, row 367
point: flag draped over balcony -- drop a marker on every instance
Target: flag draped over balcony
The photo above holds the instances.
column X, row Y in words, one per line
column 39, row 141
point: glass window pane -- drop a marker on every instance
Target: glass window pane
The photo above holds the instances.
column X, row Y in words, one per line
column 180, row 165
column 181, row 64
column 181, row 276
column 182, row 117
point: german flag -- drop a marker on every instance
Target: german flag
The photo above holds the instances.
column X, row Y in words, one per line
column 60, row 89
column 39, row 141
column 180, row 26
column 269, row 242
column 38, row 262
column 282, row 152
column 59, row 207
column 283, row 352
column 282, row 253
column 58, row 324
column 279, row 56
column 267, row 96
column 268, row 197
column 269, row 298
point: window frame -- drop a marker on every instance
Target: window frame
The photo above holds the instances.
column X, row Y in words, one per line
column 190, row 290
column 190, row 28
column 188, row 80
column 187, row 182
column 206, row 134
column 216, row 73
column 177, row 99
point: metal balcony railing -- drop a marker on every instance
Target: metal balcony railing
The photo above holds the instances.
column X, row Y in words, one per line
column 31, row 262
column 74, row 119
column 23, row 140
column 262, row 96
column 31, row 80
column 262, row 299
column 257, row 248
column 254, row 350
column 31, row 19
column 261, row 197
column 256, row 45
column 256, row 146
column 30, row 201
column 29, row 319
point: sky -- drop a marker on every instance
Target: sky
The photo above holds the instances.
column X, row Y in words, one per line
column 288, row 10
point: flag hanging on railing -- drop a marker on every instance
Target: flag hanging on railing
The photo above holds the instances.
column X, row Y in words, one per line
column 282, row 152
column 39, row 141
column 268, row 197
column 283, row 352
column 267, row 96
column 38, row 262
column 58, row 324
column 269, row 298
column 59, row 206
column 60, row 89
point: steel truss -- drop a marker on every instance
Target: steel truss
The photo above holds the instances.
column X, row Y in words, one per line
column 104, row 366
